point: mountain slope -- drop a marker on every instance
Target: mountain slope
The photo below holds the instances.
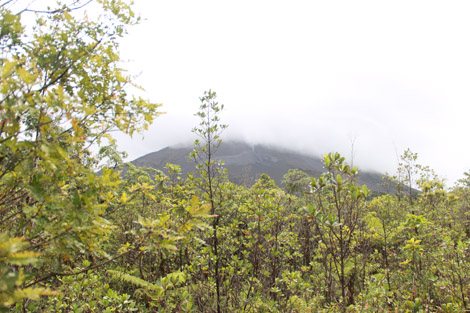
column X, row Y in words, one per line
column 245, row 163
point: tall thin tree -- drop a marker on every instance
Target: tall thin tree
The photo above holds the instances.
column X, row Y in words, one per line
column 210, row 170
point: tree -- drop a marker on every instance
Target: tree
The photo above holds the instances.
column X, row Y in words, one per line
column 339, row 206
column 210, row 169
column 62, row 90
column 296, row 181
column 409, row 169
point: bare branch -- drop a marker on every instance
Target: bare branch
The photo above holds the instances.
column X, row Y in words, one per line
column 65, row 9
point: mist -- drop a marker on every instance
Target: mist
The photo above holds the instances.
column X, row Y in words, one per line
column 368, row 79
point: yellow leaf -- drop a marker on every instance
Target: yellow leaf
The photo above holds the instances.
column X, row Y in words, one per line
column 7, row 68
column 124, row 198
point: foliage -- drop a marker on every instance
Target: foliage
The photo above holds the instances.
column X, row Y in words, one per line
column 86, row 292
column 82, row 232
column 296, row 181
column 13, row 253
column 61, row 91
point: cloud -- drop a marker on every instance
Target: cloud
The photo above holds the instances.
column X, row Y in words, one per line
column 312, row 76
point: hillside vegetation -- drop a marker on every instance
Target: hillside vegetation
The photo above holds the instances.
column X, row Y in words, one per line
column 73, row 240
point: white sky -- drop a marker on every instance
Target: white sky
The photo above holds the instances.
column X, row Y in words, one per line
column 311, row 75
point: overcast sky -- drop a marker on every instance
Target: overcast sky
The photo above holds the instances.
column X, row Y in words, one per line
column 311, row 75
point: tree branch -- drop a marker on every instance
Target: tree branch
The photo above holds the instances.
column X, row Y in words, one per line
column 65, row 9
column 91, row 267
